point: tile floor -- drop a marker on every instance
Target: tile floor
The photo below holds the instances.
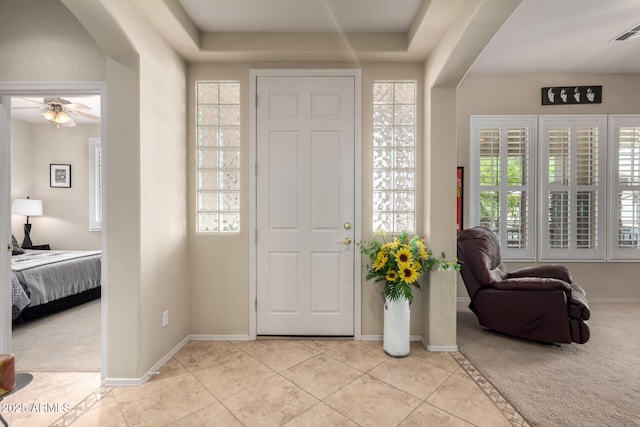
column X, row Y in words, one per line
column 274, row 383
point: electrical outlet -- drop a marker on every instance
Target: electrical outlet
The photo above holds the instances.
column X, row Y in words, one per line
column 165, row 318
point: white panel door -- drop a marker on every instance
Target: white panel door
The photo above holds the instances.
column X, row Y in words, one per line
column 305, row 205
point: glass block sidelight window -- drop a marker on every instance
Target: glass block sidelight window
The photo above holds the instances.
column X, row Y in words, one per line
column 218, row 157
column 394, row 159
column 624, row 164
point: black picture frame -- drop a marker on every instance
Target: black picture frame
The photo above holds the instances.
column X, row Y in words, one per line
column 59, row 175
column 571, row 95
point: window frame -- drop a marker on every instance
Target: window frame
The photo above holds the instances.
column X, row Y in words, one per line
column 505, row 122
column 615, row 251
column 572, row 253
column 608, row 188
column 393, row 148
column 95, row 184
column 219, row 190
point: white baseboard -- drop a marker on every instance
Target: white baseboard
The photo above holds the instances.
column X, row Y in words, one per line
column 379, row 338
column 219, row 338
column 154, row 369
column 444, row 348
column 126, row 382
column 439, row 348
column 370, row 337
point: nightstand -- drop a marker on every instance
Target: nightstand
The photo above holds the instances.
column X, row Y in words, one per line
column 38, row 247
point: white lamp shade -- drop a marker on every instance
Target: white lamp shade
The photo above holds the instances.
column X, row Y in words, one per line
column 26, row 207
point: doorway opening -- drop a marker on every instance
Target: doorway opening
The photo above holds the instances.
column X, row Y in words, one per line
column 56, row 138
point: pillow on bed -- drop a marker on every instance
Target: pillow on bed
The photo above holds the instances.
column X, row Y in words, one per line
column 17, row 250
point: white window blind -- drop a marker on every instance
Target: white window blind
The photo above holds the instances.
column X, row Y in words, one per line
column 502, row 168
column 95, row 184
column 218, row 157
column 571, row 202
column 624, row 224
column 394, row 158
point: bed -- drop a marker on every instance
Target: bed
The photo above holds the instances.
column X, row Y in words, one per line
column 44, row 282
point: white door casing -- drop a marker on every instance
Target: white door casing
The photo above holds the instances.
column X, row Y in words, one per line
column 7, row 90
column 305, row 196
column 5, row 225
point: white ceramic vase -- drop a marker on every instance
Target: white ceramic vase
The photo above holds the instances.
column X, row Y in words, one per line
column 396, row 327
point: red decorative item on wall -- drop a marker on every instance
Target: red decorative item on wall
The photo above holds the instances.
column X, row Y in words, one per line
column 459, row 197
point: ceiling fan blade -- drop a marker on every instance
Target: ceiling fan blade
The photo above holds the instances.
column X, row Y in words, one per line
column 42, row 104
column 69, row 124
column 85, row 115
column 76, row 107
column 57, row 100
column 29, row 108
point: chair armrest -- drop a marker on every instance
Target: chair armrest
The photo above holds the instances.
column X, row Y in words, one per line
column 533, row 284
column 551, row 271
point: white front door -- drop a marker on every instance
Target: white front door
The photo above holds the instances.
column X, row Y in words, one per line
column 305, row 205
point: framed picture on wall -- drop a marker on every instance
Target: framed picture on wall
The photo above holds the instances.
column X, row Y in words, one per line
column 459, row 197
column 60, row 176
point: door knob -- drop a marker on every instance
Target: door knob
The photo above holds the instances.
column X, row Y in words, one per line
column 347, row 226
column 346, row 241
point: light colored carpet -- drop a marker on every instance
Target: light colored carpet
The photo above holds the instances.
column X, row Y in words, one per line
column 68, row 341
column 593, row 384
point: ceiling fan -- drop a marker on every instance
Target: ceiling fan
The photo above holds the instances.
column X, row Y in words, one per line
column 59, row 111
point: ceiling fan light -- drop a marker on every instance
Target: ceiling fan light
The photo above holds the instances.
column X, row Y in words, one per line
column 49, row 115
column 61, row 118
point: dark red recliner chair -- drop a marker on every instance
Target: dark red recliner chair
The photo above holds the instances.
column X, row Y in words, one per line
column 539, row 303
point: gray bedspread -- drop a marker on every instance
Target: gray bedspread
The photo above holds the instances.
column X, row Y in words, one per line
column 19, row 297
column 51, row 275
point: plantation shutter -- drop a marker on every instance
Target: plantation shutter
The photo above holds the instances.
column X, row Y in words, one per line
column 95, row 184
column 572, row 152
column 501, row 175
column 624, row 226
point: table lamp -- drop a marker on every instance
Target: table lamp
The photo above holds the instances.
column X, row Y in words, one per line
column 27, row 207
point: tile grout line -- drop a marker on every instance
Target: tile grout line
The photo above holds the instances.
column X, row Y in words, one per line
column 424, row 401
column 505, row 408
column 218, row 401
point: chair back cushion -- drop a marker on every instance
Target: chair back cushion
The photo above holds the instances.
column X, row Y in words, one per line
column 479, row 252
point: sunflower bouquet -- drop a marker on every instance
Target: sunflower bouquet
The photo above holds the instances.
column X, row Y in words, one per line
column 401, row 262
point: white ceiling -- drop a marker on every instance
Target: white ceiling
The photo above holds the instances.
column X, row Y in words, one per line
column 30, row 109
column 565, row 36
column 302, row 15
column 540, row 36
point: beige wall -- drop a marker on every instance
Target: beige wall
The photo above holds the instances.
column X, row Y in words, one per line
column 146, row 168
column 220, row 264
column 444, row 70
column 520, row 94
column 41, row 41
column 65, row 223
column 20, row 173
